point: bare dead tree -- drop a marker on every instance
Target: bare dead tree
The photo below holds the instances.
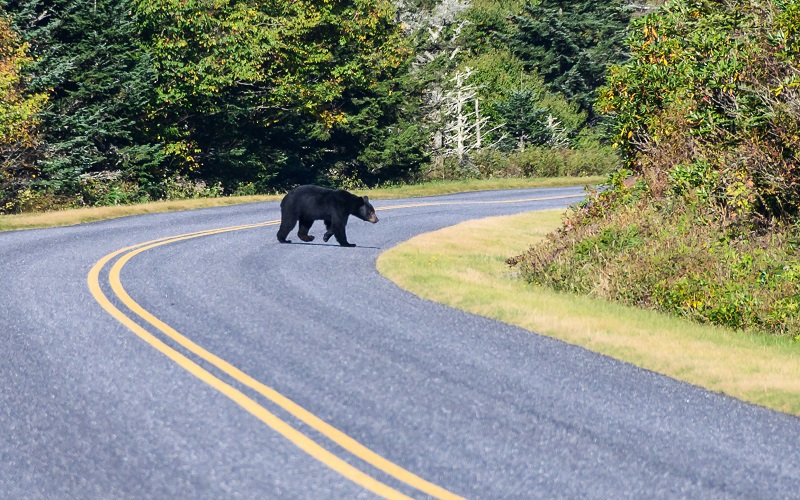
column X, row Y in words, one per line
column 464, row 130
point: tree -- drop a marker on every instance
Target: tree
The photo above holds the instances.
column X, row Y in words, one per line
column 381, row 139
column 18, row 119
column 571, row 43
column 707, row 107
column 251, row 91
column 88, row 58
column 465, row 130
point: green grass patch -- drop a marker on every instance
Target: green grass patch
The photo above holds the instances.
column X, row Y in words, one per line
column 83, row 215
column 464, row 267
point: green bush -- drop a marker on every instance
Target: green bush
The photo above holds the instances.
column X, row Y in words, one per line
column 674, row 259
column 538, row 162
column 493, row 163
column 703, row 220
column 711, row 89
column 109, row 188
column 550, row 162
column 181, row 188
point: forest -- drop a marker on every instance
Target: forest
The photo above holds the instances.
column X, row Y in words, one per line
column 110, row 102
column 691, row 107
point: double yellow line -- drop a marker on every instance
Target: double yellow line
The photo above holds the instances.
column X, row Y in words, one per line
column 296, row 437
column 124, row 255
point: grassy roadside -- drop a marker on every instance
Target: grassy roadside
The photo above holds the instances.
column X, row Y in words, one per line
column 463, row 267
column 83, row 215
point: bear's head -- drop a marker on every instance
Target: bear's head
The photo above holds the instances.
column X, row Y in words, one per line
column 367, row 211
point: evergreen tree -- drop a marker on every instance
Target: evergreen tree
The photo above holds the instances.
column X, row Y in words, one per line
column 381, row 140
column 571, row 43
column 88, row 58
column 525, row 121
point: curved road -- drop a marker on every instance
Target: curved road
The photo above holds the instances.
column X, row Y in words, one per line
column 222, row 364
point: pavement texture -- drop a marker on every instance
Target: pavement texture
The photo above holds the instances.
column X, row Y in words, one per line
column 477, row 407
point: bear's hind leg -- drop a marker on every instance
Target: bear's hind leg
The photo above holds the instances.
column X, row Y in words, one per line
column 287, row 224
column 302, row 233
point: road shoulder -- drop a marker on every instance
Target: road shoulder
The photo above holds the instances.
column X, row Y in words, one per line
column 463, row 266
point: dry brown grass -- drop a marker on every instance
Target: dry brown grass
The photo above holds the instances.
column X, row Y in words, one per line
column 83, row 215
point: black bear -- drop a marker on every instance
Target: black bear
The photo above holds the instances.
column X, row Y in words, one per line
column 309, row 203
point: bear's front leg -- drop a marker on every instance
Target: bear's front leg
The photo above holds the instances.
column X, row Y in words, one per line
column 341, row 236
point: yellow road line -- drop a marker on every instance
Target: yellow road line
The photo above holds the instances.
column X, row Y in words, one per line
column 299, row 439
column 294, row 436
column 340, row 438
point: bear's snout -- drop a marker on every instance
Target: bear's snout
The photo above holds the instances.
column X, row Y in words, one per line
column 373, row 218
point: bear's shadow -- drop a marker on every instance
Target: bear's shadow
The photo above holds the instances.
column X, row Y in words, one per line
column 329, row 245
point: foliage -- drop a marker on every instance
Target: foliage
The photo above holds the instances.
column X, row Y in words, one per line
column 572, row 44
column 380, row 141
column 239, row 93
column 521, row 107
column 250, row 92
column 712, row 87
column 519, row 102
column 128, row 99
column 675, row 259
column 702, row 221
column 18, row 120
column 280, row 54
column 90, row 63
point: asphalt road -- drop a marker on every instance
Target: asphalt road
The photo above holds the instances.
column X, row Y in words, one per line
column 227, row 365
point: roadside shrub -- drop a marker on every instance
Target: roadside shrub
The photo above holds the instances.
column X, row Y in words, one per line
column 538, row 162
column 591, row 161
column 549, row 162
column 714, row 85
column 493, row 163
column 181, row 188
column 702, row 221
column 30, row 200
column 442, row 168
column 533, row 161
column 675, row 258
column 109, row 188
column 246, row 189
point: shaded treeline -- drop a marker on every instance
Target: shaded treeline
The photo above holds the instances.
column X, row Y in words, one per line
column 120, row 101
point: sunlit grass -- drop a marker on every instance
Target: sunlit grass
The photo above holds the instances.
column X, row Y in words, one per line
column 83, row 215
column 464, row 267
column 435, row 188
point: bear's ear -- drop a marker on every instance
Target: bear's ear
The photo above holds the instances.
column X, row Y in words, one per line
column 366, row 199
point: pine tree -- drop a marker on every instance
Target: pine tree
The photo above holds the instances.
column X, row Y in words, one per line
column 571, row 43
column 525, row 120
column 89, row 59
